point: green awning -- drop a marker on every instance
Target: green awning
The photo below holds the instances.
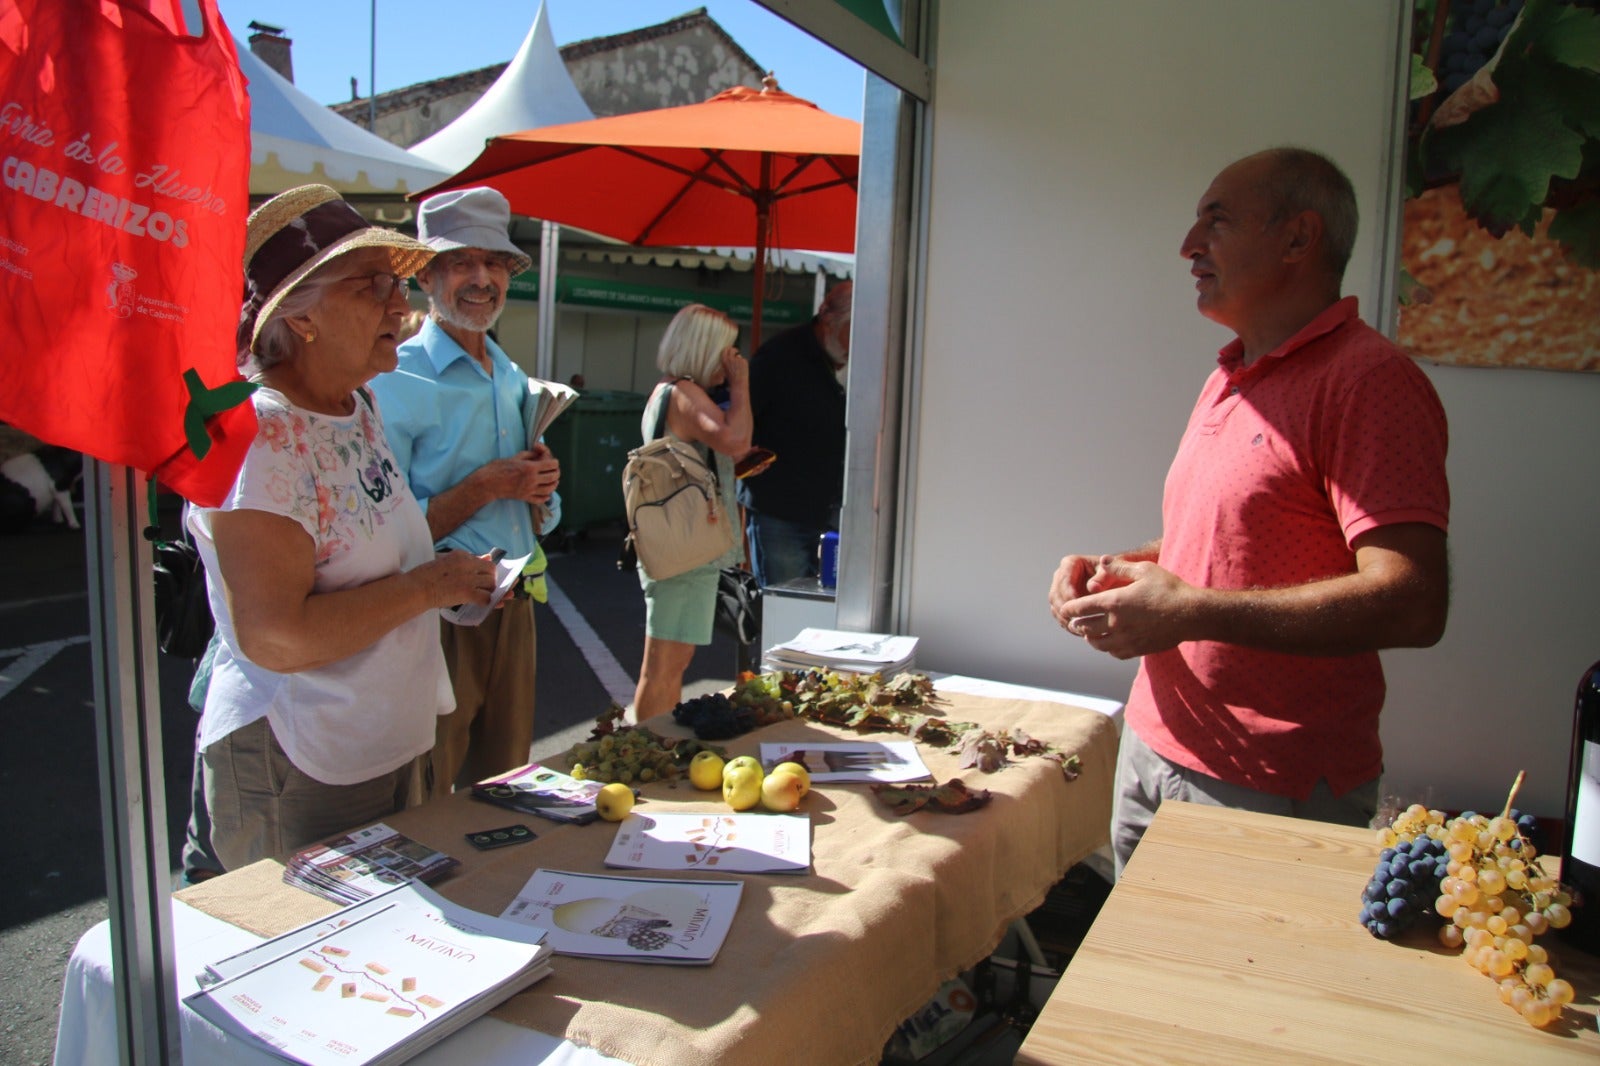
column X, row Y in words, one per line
column 655, row 299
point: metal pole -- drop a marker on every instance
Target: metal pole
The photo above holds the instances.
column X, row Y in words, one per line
column 881, row 406
column 372, row 73
column 544, row 361
column 133, row 814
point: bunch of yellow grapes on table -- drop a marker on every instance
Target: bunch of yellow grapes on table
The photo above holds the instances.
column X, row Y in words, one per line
column 1495, row 899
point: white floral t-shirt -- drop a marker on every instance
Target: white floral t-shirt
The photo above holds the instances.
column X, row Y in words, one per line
column 373, row 711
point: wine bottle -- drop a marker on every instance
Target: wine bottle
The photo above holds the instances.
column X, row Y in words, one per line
column 1580, row 855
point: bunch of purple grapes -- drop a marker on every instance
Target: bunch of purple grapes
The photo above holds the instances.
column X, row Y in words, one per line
column 1403, row 886
column 1475, row 30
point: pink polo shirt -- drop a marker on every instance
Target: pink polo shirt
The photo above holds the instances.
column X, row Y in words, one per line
column 1283, row 463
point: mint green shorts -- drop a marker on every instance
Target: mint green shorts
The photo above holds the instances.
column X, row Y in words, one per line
column 681, row 608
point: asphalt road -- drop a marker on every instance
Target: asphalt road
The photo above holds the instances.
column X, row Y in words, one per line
column 591, row 638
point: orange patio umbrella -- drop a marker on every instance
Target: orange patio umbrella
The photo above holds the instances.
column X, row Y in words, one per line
column 746, row 167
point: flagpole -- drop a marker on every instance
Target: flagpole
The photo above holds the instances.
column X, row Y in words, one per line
column 372, row 73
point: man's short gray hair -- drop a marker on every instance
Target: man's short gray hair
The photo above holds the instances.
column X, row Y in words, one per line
column 1303, row 180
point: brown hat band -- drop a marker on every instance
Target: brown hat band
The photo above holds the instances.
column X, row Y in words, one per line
column 286, row 251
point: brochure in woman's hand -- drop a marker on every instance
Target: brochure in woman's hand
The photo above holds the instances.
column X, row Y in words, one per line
column 506, row 574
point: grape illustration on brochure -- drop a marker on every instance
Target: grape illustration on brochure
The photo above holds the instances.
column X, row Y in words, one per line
column 847, row 760
column 726, row 843
column 632, row 919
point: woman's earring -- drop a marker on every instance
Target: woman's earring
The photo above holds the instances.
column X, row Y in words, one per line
column 311, row 336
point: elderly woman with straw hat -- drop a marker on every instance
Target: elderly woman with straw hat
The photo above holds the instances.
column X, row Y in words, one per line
column 321, row 571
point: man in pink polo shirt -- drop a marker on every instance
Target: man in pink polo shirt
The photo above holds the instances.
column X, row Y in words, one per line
column 1303, row 527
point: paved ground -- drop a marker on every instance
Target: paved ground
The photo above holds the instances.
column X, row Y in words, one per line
column 591, row 638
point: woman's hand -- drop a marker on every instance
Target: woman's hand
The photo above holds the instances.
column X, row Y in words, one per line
column 456, row 577
column 735, row 367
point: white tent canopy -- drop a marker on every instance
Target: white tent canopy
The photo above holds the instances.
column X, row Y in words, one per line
column 294, row 139
column 534, row 90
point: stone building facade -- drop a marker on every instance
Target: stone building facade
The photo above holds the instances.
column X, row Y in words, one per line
column 681, row 61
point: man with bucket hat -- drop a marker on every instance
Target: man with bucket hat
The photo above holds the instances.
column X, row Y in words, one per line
column 454, row 414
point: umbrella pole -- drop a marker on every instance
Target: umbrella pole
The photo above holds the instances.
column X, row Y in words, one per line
column 761, row 284
column 763, row 218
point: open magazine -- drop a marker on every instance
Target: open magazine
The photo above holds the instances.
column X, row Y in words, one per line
column 544, row 401
column 724, row 843
column 634, row 919
column 404, row 971
column 850, row 760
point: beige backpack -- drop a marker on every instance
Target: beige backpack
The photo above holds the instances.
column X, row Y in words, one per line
column 671, row 496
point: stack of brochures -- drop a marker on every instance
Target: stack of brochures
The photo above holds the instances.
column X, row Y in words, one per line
column 535, row 789
column 376, row 983
column 357, row 865
column 851, row 653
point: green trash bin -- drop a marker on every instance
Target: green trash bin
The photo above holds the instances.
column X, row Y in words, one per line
column 592, row 439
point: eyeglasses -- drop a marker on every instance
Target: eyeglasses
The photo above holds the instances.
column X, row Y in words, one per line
column 381, row 285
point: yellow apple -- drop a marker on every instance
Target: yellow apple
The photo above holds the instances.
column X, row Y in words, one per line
column 744, row 760
column 797, row 770
column 614, row 802
column 781, row 791
column 705, row 771
column 741, row 787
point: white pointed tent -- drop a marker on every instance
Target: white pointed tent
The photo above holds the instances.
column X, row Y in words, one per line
column 534, row 90
column 295, row 140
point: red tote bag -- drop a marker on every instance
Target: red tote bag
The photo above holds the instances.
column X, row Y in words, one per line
column 124, row 188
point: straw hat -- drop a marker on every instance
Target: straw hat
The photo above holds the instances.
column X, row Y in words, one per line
column 297, row 231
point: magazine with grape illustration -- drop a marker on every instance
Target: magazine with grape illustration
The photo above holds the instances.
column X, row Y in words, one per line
column 633, row 919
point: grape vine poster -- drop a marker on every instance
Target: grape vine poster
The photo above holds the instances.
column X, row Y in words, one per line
column 1500, row 237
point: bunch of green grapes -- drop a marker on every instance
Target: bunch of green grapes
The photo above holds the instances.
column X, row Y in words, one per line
column 629, row 756
column 1496, row 899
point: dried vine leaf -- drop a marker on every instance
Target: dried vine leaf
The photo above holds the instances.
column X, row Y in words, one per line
column 953, row 797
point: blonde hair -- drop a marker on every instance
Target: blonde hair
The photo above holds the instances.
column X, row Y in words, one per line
column 693, row 344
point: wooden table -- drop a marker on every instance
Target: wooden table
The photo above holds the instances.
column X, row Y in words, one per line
column 1233, row 938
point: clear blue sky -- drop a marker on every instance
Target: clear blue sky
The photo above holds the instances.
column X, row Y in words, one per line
column 423, row 39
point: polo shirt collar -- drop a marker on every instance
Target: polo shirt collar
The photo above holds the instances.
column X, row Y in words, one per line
column 443, row 350
column 1334, row 316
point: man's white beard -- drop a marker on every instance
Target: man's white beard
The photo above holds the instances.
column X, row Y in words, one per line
column 474, row 319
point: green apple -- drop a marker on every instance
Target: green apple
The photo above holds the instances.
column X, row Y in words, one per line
column 797, row 770
column 749, row 761
column 741, row 787
column 614, row 802
column 705, row 771
column 781, row 791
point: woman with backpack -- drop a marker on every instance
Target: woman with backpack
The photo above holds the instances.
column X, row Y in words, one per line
column 696, row 354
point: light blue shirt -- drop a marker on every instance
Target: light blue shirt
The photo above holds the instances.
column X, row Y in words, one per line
column 445, row 417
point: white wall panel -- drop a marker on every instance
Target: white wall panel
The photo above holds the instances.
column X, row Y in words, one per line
column 1063, row 351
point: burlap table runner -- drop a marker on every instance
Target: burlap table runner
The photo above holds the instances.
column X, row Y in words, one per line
column 818, row 968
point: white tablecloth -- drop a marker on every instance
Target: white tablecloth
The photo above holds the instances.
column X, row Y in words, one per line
column 88, row 1026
